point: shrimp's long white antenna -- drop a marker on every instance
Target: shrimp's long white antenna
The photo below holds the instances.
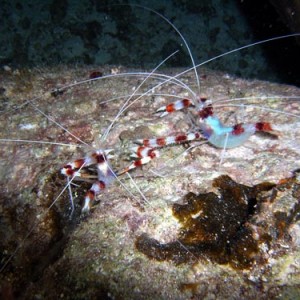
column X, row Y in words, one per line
column 181, row 36
column 159, row 76
column 261, row 108
column 239, row 49
column 138, row 189
column 124, row 107
column 71, row 197
column 59, row 125
column 217, row 101
column 224, row 150
column 221, row 55
column 39, row 142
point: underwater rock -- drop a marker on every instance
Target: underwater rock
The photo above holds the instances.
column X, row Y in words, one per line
column 95, row 256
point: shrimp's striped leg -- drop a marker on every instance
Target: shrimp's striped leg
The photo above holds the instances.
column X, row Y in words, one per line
column 147, row 151
column 178, row 105
column 169, row 140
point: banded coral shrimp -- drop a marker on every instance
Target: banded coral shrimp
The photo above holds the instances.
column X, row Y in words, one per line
column 106, row 235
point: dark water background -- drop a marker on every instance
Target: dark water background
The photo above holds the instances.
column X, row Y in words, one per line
column 50, row 32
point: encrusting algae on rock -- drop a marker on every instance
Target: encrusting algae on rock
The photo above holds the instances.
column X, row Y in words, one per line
column 227, row 227
column 213, row 226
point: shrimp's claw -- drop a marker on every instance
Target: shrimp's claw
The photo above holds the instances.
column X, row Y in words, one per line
column 144, row 155
column 136, row 164
column 178, row 105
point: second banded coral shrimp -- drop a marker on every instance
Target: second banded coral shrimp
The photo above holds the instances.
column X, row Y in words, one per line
column 44, row 134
